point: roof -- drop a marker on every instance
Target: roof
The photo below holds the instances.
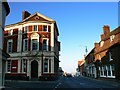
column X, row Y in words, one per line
column 81, row 62
column 45, row 17
column 32, row 15
column 105, row 47
column 91, row 52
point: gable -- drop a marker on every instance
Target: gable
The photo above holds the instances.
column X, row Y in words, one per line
column 37, row 17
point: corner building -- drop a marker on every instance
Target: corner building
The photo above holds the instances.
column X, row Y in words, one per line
column 33, row 47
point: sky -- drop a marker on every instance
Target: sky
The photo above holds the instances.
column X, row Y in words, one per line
column 79, row 23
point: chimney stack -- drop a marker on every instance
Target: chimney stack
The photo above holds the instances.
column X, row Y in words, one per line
column 25, row 14
column 106, row 29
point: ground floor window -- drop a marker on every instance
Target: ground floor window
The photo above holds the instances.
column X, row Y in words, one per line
column 9, row 66
column 107, row 70
column 24, row 65
column 46, row 65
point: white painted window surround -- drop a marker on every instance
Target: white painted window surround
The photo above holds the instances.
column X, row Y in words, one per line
column 110, row 56
column 25, row 29
column 10, row 32
column 35, row 28
column 35, row 42
column 8, row 66
column 112, row 38
column 25, row 45
column 24, row 68
column 9, row 45
column 109, row 71
column 46, row 65
column 45, row 44
column 101, row 43
column 45, row 28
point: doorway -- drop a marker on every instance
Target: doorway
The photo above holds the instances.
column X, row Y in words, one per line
column 34, row 69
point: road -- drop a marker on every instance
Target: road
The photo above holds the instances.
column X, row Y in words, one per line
column 77, row 83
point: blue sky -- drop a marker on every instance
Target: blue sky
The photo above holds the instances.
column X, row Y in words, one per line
column 79, row 23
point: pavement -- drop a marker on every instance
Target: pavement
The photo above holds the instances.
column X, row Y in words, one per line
column 113, row 81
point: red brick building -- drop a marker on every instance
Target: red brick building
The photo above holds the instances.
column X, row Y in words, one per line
column 33, row 47
column 107, row 54
column 80, row 69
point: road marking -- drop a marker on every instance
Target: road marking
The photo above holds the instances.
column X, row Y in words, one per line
column 82, row 83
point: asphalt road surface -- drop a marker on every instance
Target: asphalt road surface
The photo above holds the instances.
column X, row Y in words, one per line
column 69, row 83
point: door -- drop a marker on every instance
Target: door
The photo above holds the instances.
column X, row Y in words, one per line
column 34, row 69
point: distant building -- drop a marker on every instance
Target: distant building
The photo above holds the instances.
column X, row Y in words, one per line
column 107, row 54
column 104, row 59
column 33, row 47
column 90, row 65
column 80, row 69
column 4, row 11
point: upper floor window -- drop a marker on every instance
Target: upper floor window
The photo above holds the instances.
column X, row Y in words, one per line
column 45, row 45
column 10, row 32
column 25, row 29
column 112, row 38
column 45, row 28
column 101, row 43
column 34, row 44
column 35, row 28
column 110, row 56
column 9, row 48
column 25, row 44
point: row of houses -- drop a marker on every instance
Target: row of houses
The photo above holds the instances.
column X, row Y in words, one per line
column 33, row 47
column 103, row 61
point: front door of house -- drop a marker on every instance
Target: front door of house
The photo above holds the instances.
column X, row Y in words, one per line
column 34, row 69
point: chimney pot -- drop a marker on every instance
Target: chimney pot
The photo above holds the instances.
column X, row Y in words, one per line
column 25, row 14
column 106, row 29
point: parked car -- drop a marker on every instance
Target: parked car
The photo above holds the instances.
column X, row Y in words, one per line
column 69, row 75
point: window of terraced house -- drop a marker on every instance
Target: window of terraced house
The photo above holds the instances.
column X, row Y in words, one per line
column 110, row 56
column 105, row 71
column 108, row 70
column 113, row 69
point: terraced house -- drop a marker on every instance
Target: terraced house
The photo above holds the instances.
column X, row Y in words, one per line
column 107, row 53
column 33, row 47
column 104, row 59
